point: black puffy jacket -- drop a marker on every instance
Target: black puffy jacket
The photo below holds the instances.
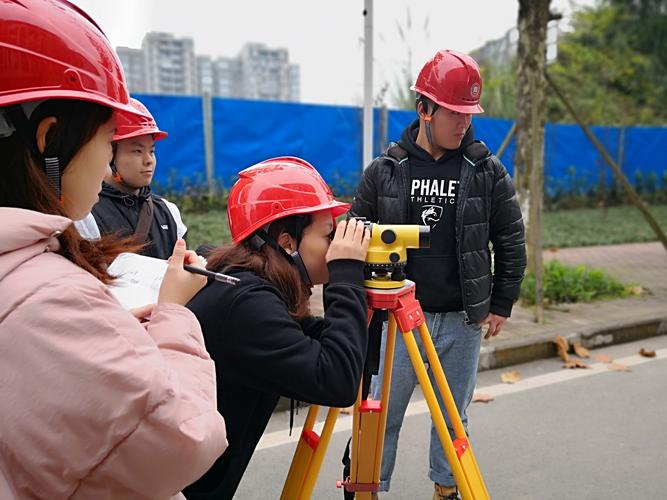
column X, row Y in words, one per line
column 486, row 211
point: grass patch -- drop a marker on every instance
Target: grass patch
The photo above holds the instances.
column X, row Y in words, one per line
column 564, row 228
column 597, row 226
column 567, row 284
column 207, row 228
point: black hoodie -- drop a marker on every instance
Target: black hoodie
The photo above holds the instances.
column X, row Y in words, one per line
column 261, row 353
column 433, row 189
column 118, row 211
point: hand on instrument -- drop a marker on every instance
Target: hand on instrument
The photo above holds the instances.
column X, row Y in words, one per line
column 350, row 241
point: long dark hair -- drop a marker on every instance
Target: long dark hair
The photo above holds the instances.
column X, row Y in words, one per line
column 269, row 264
column 24, row 183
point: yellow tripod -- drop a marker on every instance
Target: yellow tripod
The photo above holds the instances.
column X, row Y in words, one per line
column 370, row 417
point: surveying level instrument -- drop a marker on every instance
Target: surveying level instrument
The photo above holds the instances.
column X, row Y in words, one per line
column 387, row 253
column 387, row 292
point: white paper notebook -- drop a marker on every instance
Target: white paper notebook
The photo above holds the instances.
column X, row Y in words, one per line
column 138, row 279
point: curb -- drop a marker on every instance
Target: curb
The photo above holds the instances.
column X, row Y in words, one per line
column 541, row 346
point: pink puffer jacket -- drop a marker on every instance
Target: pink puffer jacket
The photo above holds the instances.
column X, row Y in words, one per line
column 92, row 404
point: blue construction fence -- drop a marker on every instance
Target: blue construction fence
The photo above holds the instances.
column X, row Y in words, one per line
column 245, row 132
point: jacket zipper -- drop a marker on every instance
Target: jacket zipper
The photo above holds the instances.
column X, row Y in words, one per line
column 466, row 174
column 404, row 178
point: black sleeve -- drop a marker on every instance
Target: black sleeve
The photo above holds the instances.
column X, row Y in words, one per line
column 272, row 351
column 365, row 203
column 509, row 245
column 313, row 326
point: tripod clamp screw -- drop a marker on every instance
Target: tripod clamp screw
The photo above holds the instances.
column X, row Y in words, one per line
column 370, row 487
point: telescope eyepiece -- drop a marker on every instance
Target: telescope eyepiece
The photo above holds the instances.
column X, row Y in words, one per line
column 424, row 237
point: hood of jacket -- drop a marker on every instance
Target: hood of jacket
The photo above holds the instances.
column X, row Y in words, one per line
column 418, row 154
column 129, row 199
column 25, row 234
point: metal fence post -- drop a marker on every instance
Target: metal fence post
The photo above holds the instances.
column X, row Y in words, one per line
column 368, row 84
column 207, row 111
column 384, row 128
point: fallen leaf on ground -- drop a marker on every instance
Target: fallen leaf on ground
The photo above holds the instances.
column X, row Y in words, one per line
column 562, row 346
column 617, row 367
column 604, row 358
column 580, row 350
column 510, row 377
column 481, row 398
column 647, row 354
column 576, row 363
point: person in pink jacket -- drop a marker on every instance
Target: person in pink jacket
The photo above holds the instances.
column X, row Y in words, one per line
column 94, row 404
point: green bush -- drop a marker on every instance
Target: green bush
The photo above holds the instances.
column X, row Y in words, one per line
column 567, row 284
column 577, row 190
column 192, row 195
column 197, row 199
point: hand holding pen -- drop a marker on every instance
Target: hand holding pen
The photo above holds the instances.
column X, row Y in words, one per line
column 222, row 278
column 178, row 285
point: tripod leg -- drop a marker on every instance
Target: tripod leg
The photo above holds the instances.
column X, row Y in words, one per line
column 302, row 456
column 308, row 456
column 370, row 421
column 436, row 415
column 441, row 380
column 318, row 457
column 390, row 344
column 474, row 475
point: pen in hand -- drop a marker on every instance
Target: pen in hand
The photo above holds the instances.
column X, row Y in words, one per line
column 223, row 278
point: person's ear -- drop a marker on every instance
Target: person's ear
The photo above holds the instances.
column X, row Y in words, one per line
column 42, row 131
column 109, row 175
column 287, row 242
column 421, row 111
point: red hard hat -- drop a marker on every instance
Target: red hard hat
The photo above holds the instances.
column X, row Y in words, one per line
column 135, row 125
column 451, row 80
column 51, row 49
column 274, row 189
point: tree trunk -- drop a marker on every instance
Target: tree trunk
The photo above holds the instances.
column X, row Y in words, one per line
column 529, row 159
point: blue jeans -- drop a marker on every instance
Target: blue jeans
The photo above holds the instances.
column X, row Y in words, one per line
column 457, row 345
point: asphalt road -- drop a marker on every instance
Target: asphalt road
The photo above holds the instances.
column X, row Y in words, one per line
column 556, row 434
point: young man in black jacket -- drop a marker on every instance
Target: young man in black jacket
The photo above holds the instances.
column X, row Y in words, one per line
column 126, row 203
column 438, row 175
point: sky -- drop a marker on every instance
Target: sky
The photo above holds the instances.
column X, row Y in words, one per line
column 324, row 37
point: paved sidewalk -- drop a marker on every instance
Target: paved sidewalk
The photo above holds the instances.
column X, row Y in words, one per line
column 597, row 323
column 594, row 324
